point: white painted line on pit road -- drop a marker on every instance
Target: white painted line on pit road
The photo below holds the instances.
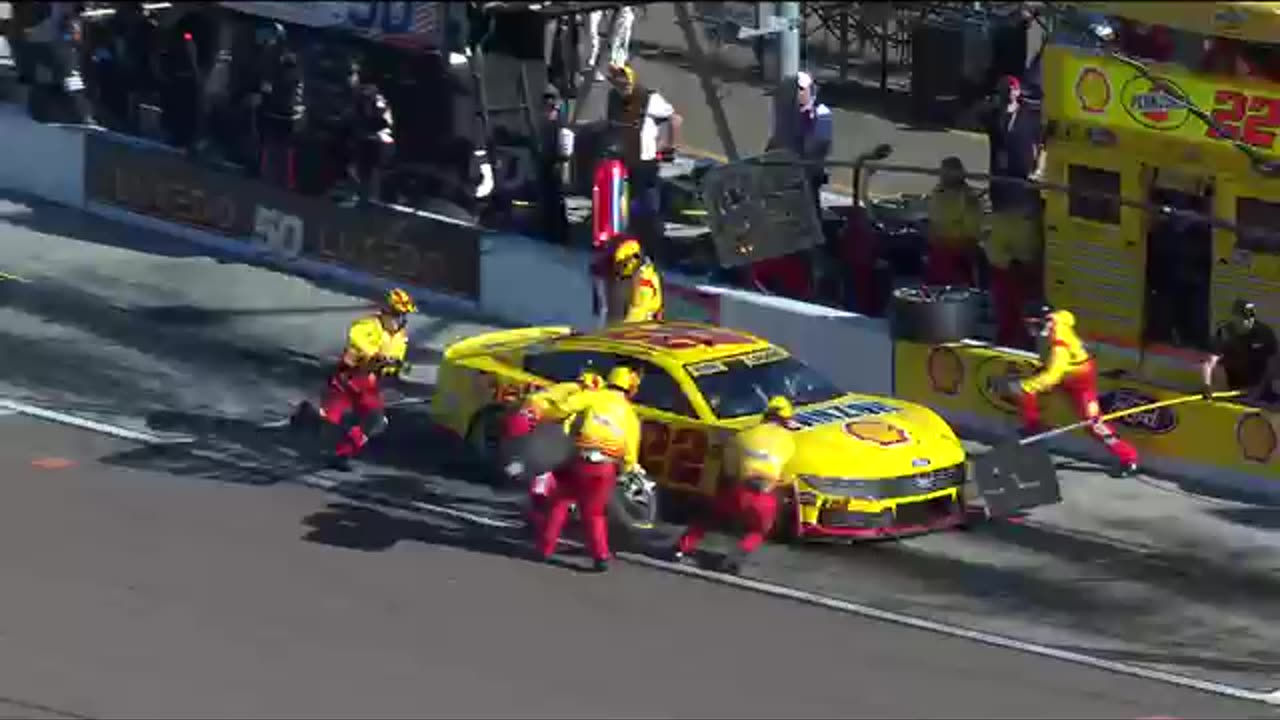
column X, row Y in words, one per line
column 353, row 490
column 845, row 606
column 15, row 407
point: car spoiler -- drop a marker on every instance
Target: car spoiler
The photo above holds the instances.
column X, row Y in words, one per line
column 500, row 339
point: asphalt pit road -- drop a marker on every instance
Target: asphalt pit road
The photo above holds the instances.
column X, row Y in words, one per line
column 367, row 529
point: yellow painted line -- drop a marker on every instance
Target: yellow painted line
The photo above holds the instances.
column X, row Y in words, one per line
column 14, row 278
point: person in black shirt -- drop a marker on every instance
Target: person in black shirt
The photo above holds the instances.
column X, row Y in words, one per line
column 1013, row 142
column 1246, row 349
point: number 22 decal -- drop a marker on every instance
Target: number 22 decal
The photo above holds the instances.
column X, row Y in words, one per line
column 1260, row 117
column 678, row 455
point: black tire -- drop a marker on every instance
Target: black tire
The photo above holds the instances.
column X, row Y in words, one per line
column 932, row 315
column 785, row 529
column 483, row 439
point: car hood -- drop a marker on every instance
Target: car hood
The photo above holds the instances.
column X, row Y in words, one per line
column 867, row 437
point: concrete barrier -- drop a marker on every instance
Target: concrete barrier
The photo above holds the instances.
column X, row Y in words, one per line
column 46, row 161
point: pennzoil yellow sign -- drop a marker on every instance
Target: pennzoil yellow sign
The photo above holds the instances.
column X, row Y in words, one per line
column 1101, row 90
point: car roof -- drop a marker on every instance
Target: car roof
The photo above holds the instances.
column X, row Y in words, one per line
column 681, row 342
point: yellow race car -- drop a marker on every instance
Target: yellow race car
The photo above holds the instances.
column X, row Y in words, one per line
column 864, row 466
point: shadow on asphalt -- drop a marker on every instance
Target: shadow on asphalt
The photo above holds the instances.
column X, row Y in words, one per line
column 360, row 527
column 1262, row 518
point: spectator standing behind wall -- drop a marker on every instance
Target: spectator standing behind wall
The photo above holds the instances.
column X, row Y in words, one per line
column 806, row 131
column 330, row 76
column 647, row 128
column 280, row 109
column 373, row 141
column 122, row 67
column 556, row 147
column 1014, row 140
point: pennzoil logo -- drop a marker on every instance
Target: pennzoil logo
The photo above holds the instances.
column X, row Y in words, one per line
column 1256, row 437
column 994, row 377
column 1150, row 105
column 1093, row 90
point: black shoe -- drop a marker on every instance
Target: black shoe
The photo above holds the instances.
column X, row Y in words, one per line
column 341, row 463
column 600, row 566
column 1128, row 470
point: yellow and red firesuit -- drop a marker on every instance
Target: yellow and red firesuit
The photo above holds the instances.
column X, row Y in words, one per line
column 1067, row 364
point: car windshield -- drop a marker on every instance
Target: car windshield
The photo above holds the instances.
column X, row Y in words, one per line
column 741, row 386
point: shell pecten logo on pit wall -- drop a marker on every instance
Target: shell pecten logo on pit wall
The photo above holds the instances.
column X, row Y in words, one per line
column 1093, row 90
column 946, row 370
column 1256, row 436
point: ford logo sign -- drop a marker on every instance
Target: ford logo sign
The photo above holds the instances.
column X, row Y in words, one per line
column 1157, row 421
column 920, row 462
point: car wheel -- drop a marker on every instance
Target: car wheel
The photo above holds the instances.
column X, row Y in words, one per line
column 933, row 315
column 483, row 438
column 785, row 527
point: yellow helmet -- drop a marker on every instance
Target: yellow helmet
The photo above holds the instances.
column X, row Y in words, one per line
column 591, row 380
column 622, row 72
column 399, row 302
column 625, row 379
column 627, row 257
column 779, row 408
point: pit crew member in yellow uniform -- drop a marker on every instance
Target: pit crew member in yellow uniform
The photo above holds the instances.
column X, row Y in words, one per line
column 545, row 406
column 635, row 290
column 606, row 435
column 754, row 464
column 1067, row 364
column 955, row 221
column 376, row 348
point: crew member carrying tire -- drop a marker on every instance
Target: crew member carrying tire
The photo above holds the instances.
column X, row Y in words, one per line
column 754, row 464
column 546, row 406
column 606, row 436
column 1067, row 364
column 376, row 348
column 635, row 288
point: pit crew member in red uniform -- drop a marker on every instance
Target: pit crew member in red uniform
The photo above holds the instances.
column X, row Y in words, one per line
column 376, row 348
column 606, row 435
column 754, row 465
column 1067, row 364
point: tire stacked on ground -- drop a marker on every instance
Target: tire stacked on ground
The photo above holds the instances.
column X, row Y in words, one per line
column 933, row 315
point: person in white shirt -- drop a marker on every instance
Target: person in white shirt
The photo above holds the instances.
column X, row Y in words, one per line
column 645, row 128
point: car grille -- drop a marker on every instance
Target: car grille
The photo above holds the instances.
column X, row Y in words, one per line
column 922, row 513
column 905, row 486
